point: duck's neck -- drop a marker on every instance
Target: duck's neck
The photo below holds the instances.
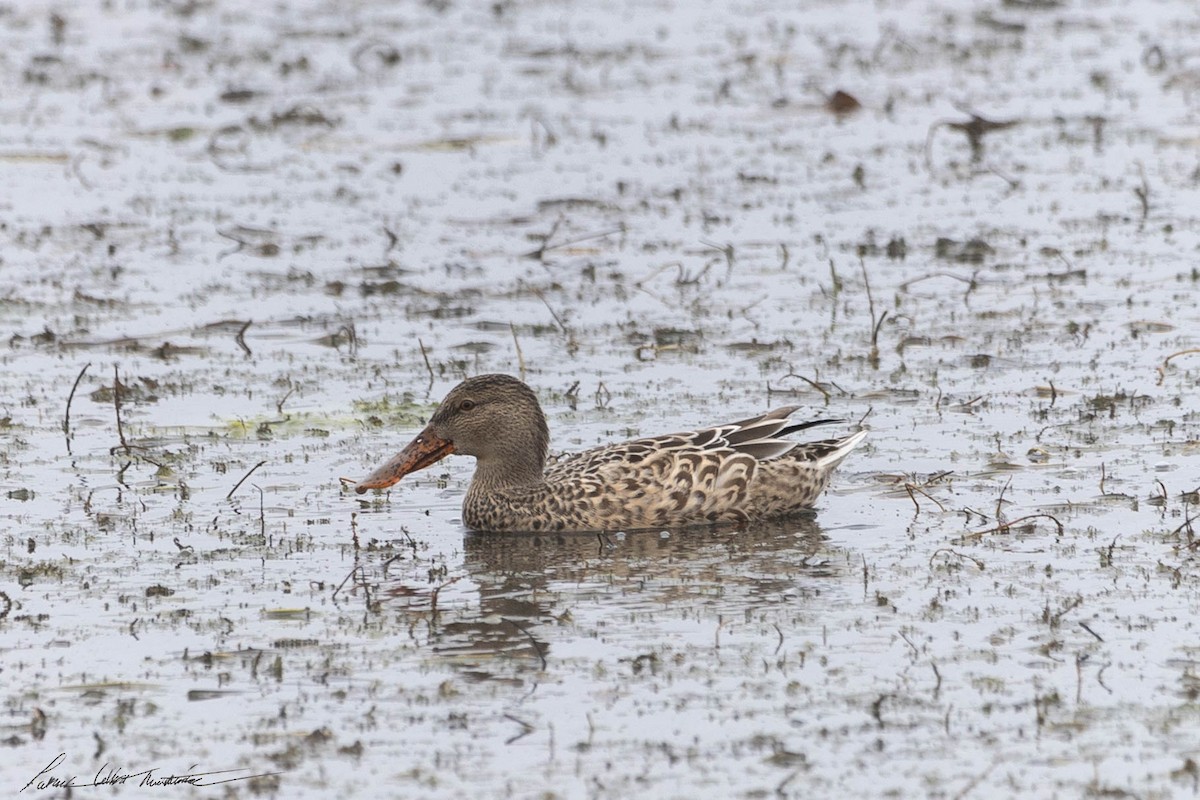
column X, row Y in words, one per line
column 500, row 495
column 509, row 472
column 493, row 475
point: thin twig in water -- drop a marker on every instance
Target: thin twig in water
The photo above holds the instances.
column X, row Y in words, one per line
column 433, row 596
column 5, row 605
column 603, row 396
column 783, row 783
column 876, row 324
column 1012, row 182
column 1162, row 369
column 1072, row 604
column 536, row 647
column 908, row 487
column 357, row 567
column 1100, row 678
column 425, row 355
column 913, row 490
column 411, row 543
column 1187, row 523
column 1000, row 503
column 863, row 418
column 875, row 330
column 656, row 273
column 526, row 728
column 905, row 286
column 70, row 397
column 809, row 381
column 1143, row 195
column 262, row 511
column 557, row 319
column 243, row 480
column 1084, row 625
column 726, row 251
column 241, row 339
column 520, row 355
column 877, row 708
column 546, row 246
column 349, row 575
column 117, row 408
column 978, row 779
column 388, row 563
column 941, row 550
column 351, row 337
column 867, row 283
column 1005, row 526
column 540, row 252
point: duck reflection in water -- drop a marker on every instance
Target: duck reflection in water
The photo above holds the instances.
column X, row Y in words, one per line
column 528, row 585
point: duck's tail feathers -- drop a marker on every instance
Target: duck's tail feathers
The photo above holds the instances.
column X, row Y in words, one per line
column 803, row 426
column 839, row 449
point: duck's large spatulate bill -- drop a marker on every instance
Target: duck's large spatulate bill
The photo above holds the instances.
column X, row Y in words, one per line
column 422, row 451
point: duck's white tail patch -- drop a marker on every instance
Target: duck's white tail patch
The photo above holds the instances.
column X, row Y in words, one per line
column 840, row 450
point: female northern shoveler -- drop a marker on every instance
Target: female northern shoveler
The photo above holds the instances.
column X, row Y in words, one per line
column 736, row 472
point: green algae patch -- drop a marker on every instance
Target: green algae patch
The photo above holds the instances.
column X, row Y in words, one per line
column 391, row 411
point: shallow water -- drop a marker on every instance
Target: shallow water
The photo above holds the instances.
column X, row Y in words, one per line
column 288, row 232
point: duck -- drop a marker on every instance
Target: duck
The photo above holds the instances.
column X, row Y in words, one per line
column 737, row 472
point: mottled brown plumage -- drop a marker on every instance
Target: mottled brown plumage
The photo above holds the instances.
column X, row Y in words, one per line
column 737, row 472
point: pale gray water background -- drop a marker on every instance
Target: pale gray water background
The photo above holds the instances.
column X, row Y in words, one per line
column 359, row 180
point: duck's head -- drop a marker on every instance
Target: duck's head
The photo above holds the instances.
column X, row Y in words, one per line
column 495, row 418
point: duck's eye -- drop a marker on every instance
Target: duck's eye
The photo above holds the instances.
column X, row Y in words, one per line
column 466, row 405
